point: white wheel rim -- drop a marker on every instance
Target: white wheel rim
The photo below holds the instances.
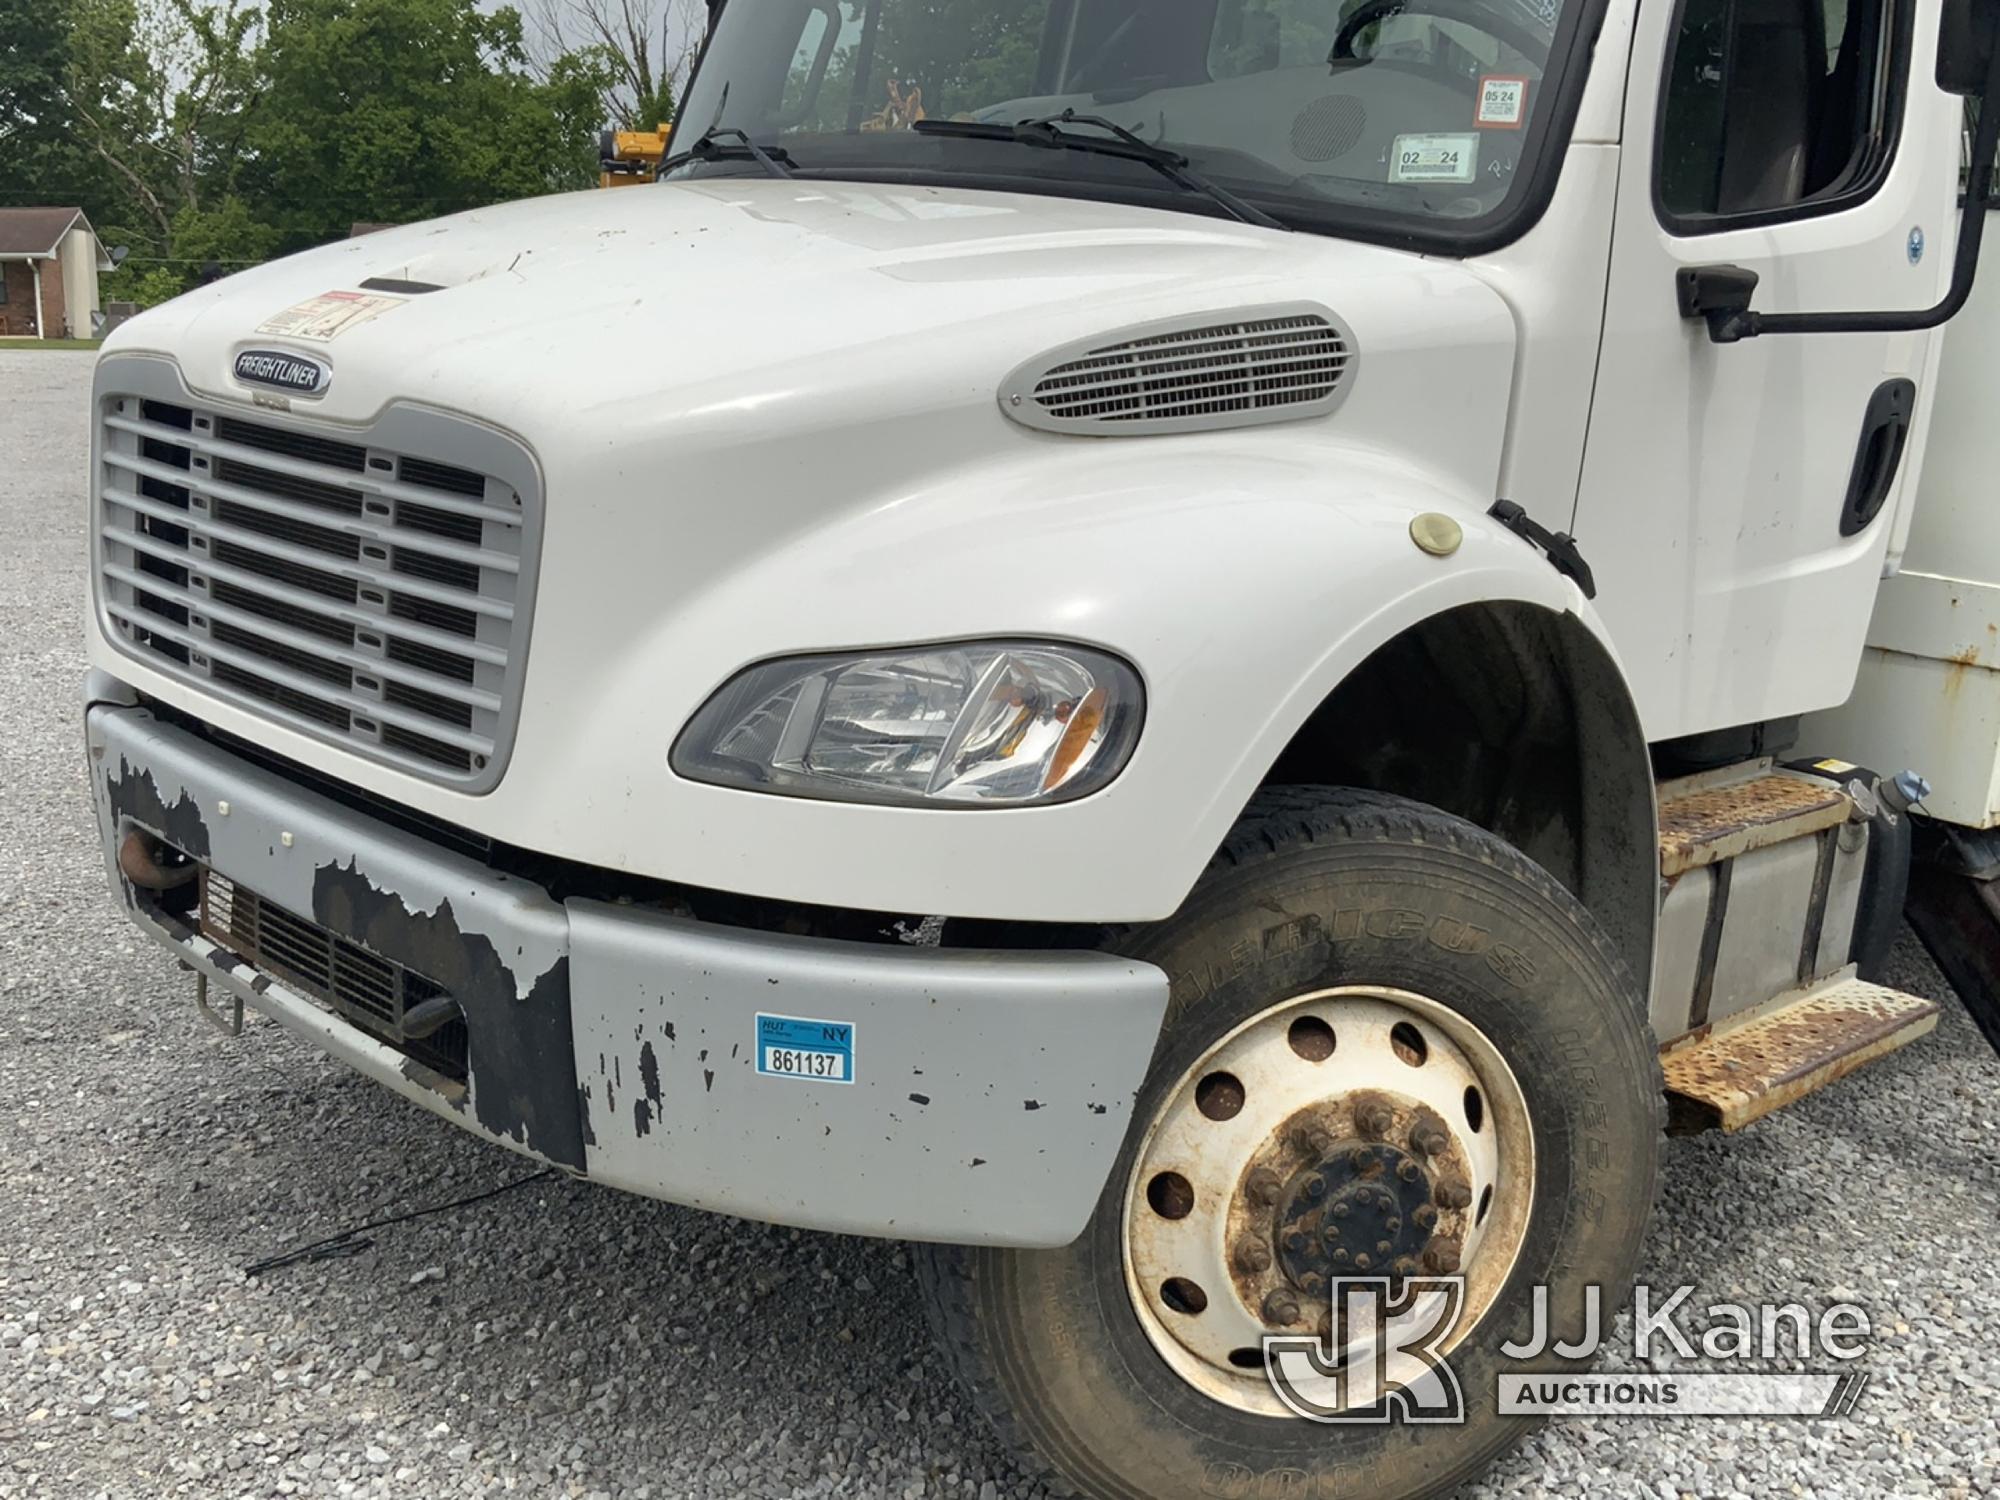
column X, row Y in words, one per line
column 1217, row 1258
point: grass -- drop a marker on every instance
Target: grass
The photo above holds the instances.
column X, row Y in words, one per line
column 50, row 343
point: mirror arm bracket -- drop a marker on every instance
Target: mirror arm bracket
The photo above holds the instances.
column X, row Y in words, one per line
column 1721, row 295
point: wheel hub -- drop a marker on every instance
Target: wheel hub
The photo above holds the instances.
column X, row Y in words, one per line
column 1354, row 1133
column 1355, row 1212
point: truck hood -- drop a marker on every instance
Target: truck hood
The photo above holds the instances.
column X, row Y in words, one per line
column 710, row 300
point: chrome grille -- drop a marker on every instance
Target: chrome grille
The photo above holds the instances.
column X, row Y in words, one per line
column 1190, row 378
column 349, row 588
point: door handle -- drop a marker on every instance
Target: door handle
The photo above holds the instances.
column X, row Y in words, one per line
column 1885, row 432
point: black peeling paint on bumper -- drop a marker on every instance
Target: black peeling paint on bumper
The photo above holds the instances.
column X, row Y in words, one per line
column 495, row 944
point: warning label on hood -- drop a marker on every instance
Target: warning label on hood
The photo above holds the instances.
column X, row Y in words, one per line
column 329, row 315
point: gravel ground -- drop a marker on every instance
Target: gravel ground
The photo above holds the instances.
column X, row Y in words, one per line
column 566, row 1341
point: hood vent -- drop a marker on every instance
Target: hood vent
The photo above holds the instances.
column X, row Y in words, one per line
column 1270, row 365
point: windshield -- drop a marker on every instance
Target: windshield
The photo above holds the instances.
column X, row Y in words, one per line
column 1337, row 115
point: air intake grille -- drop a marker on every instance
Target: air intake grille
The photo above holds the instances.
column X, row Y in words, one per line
column 1188, row 379
column 343, row 586
column 371, row 992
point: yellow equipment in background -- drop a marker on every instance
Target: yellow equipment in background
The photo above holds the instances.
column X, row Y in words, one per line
column 627, row 157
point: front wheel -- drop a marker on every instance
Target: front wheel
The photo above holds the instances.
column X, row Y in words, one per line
column 1396, row 1048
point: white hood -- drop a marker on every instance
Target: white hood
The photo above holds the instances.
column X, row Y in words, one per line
column 650, row 304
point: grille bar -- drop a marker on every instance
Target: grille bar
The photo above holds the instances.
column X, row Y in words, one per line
column 1116, row 375
column 315, row 687
column 360, row 619
column 357, row 985
column 373, row 484
column 326, row 562
column 355, row 661
column 368, row 587
column 1232, row 344
column 356, row 527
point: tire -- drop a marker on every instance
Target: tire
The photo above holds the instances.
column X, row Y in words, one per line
column 1051, row 1345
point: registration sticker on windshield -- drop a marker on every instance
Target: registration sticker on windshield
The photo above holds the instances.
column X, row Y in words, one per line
column 1434, row 158
column 1503, row 103
column 809, row 1051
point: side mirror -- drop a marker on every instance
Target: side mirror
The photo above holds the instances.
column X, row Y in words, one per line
column 1966, row 37
column 1968, row 65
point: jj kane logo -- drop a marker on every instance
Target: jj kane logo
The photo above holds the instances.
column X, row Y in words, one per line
column 294, row 374
column 1381, row 1357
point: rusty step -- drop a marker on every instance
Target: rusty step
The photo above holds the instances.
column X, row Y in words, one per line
column 1742, row 1071
column 1703, row 822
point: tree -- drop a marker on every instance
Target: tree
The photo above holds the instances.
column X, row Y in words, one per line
column 645, row 50
column 157, row 89
column 31, row 73
column 40, row 161
column 406, row 109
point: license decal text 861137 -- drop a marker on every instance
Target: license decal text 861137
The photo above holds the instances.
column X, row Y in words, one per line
column 805, row 1051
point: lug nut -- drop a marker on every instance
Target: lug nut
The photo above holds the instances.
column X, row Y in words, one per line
column 1429, row 1136
column 1443, row 1257
column 1454, row 1192
column 1374, row 1118
column 1253, row 1256
column 1265, row 1188
column 1315, row 1188
column 1408, row 1170
column 1319, row 1141
column 1424, row 1216
column 1295, row 1241
column 1281, row 1307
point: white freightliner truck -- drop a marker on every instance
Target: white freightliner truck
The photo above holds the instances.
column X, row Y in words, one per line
column 1066, row 721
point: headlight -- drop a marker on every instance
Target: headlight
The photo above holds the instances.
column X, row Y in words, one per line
column 981, row 725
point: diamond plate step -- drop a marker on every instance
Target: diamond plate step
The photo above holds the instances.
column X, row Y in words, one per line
column 1741, row 1072
column 1707, row 823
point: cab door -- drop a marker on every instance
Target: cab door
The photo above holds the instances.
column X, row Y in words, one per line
column 1736, row 499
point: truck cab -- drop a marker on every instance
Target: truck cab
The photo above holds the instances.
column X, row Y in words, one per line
column 1186, row 689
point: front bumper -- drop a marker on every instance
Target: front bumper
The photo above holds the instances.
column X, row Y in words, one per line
column 990, row 1091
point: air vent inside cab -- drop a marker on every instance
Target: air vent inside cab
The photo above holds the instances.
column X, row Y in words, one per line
column 1276, row 365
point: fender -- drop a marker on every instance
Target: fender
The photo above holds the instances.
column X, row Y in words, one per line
column 1244, row 580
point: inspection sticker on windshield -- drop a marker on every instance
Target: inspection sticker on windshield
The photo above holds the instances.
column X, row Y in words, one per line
column 1434, row 158
column 812, row 1051
column 329, row 315
column 1503, row 102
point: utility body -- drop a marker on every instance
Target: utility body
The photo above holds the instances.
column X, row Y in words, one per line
column 1187, row 687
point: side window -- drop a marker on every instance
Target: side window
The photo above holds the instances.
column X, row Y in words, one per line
column 1775, row 107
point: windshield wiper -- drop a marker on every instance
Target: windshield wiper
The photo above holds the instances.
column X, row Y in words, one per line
column 1046, row 131
column 711, row 147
